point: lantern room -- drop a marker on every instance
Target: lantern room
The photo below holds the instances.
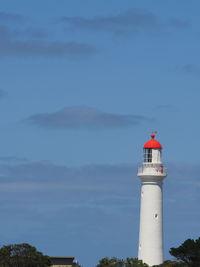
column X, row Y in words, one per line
column 152, row 151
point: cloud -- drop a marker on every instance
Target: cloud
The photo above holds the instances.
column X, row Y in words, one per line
column 130, row 21
column 4, row 33
column 83, row 117
column 165, row 108
column 104, row 181
column 93, row 177
column 189, row 68
column 179, row 23
column 33, row 42
column 34, row 33
column 101, row 186
column 51, row 49
column 46, row 171
column 2, row 93
column 11, row 17
column 18, row 37
column 11, row 159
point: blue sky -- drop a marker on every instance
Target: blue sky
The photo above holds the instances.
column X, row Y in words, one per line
column 82, row 85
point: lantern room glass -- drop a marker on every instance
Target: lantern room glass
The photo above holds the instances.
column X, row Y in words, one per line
column 148, row 155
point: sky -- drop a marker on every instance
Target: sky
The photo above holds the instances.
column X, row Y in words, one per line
column 82, row 86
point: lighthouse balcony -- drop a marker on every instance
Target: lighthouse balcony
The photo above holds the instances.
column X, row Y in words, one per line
column 152, row 170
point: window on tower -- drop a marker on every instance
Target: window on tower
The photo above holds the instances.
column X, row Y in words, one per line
column 147, row 155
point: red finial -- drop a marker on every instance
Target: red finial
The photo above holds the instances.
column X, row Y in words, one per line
column 154, row 134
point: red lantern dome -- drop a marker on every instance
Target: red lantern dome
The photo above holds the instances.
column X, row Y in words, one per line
column 152, row 143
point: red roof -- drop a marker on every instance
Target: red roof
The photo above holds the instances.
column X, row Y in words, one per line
column 152, row 143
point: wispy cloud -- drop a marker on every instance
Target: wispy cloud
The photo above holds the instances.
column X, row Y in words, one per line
column 4, row 32
column 29, row 41
column 94, row 177
column 101, row 180
column 130, row 21
column 11, row 17
column 45, row 49
column 189, row 68
column 11, row 159
column 165, row 108
column 2, row 93
column 43, row 171
column 33, row 33
column 179, row 23
column 83, row 117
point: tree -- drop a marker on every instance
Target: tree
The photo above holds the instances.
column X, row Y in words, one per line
column 169, row 263
column 115, row 262
column 22, row 255
column 134, row 262
column 188, row 252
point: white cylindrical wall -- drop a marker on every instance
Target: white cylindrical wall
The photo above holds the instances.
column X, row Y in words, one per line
column 151, row 222
column 156, row 155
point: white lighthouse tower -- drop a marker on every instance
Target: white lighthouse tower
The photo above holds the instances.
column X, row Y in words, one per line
column 151, row 173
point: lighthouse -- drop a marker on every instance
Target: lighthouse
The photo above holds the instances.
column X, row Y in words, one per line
column 151, row 174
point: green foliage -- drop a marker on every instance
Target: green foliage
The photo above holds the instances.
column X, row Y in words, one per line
column 188, row 252
column 171, row 264
column 22, row 255
column 115, row 262
column 134, row 262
